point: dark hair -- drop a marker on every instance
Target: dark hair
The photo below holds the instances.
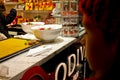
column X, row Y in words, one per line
column 2, row 7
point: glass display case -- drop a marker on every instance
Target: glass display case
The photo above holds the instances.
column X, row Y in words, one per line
column 66, row 13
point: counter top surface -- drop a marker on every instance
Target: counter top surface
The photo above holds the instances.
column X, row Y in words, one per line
column 20, row 63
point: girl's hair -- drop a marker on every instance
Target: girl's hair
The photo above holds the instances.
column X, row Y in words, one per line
column 2, row 6
column 107, row 10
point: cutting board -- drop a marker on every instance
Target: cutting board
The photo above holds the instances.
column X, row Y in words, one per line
column 13, row 46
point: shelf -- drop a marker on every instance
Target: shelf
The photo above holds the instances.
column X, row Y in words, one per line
column 36, row 11
column 64, row 1
column 59, row 16
column 11, row 3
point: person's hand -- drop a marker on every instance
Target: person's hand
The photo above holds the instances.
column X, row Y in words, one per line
column 2, row 36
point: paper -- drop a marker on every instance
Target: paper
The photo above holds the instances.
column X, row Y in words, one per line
column 3, row 70
column 26, row 36
column 38, row 50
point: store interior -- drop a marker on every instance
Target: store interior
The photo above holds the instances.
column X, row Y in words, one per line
column 63, row 12
column 51, row 12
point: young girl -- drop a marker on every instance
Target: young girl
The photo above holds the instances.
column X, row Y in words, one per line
column 101, row 19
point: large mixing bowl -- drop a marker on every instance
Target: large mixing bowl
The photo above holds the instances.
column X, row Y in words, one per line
column 48, row 32
column 26, row 26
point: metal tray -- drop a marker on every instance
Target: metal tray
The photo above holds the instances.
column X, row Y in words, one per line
column 14, row 43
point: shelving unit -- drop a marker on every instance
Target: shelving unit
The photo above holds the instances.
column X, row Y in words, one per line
column 24, row 15
column 68, row 16
column 27, row 13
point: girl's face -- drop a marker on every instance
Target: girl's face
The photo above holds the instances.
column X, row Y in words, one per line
column 4, row 12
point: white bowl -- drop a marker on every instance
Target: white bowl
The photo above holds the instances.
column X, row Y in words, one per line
column 50, row 32
column 26, row 26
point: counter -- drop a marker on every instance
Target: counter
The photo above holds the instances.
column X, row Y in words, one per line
column 19, row 64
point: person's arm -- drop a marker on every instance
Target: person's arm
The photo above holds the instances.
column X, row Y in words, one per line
column 10, row 17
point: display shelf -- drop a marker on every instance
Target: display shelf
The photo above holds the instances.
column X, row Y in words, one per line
column 57, row 1
column 67, row 9
column 11, row 3
column 67, row 13
column 59, row 16
column 36, row 11
column 26, row 13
